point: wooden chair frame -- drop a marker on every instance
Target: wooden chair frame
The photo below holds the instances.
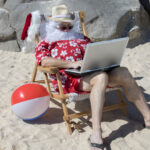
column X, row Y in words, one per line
column 63, row 97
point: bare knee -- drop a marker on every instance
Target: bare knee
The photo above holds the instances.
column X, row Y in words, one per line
column 122, row 76
column 101, row 79
column 125, row 75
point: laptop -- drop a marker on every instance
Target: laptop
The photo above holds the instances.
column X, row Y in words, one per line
column 101, row 56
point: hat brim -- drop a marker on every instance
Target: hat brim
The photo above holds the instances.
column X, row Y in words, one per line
column 60, row 19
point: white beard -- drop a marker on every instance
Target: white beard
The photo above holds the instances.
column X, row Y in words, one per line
column 50, row 33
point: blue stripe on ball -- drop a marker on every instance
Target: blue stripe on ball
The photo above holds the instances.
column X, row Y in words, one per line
column 37, row 116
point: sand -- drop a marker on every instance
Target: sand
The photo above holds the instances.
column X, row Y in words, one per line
column 49, row 132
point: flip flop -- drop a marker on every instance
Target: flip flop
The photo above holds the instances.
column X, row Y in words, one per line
column 101, row 146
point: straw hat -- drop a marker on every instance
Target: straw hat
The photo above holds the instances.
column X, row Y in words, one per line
column 61, row 13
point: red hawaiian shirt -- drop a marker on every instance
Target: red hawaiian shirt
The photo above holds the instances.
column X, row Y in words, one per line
column 70, row 50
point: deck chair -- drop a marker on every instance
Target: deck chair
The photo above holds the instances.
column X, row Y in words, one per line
column 63, row 97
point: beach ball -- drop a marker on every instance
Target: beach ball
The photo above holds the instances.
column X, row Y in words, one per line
column 30, row 101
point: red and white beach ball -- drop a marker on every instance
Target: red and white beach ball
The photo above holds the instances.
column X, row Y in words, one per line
column 30, row 101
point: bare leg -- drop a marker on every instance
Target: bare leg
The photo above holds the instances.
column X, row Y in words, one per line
column 97, row 84
column 122, row 77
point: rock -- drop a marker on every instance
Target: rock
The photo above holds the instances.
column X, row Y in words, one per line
column 2, row 2
column 11, row 5
column 6, row 31
column 17, row 20
column 100, row 24
column 9, row 46
column 103, row 20
column 146, row 5
column 134, row 32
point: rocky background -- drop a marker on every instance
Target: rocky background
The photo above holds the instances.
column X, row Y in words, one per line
column 106, row 19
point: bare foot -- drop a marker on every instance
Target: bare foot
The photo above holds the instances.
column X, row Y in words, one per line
column 96, row 138
column 147, row 120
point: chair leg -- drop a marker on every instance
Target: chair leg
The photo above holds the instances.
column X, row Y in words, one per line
column 47, row 83
column 64, row 107
column 123, row 108
column 34, row 73
column 68, row 124
column 66, row 119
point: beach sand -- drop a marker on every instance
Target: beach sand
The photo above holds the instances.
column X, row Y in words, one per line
column 49, row 132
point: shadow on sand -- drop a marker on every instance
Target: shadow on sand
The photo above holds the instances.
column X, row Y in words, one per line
column 134, row 119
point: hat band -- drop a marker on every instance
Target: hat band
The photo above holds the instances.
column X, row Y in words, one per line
column 61, row 16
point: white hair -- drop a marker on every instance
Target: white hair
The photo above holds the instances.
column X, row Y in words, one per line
column 50, row 32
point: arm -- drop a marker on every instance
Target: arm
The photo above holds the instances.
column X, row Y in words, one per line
column 44, row 58
column 53, row 62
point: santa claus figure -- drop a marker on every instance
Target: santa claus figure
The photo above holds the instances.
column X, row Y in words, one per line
column 60, row 40
column 62, row 46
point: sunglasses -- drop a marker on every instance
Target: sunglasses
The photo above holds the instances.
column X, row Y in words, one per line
column 65, row 27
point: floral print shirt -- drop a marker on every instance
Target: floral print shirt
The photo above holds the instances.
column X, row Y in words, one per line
column 70, row 50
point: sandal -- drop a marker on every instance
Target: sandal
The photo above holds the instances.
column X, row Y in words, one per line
column 101, row 146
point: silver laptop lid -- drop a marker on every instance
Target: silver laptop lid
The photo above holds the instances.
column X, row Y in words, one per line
column 104, row 54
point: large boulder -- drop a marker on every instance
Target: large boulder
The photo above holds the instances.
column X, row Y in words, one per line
column 146, row 5
column 2, row 2
column 11, row 5
column 6, row 31
column 8, row 39
column 105, row 19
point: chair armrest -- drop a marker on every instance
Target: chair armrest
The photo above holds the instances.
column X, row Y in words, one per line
column 52, row 70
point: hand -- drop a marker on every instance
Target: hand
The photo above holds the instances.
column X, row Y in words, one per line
column 77, row 64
